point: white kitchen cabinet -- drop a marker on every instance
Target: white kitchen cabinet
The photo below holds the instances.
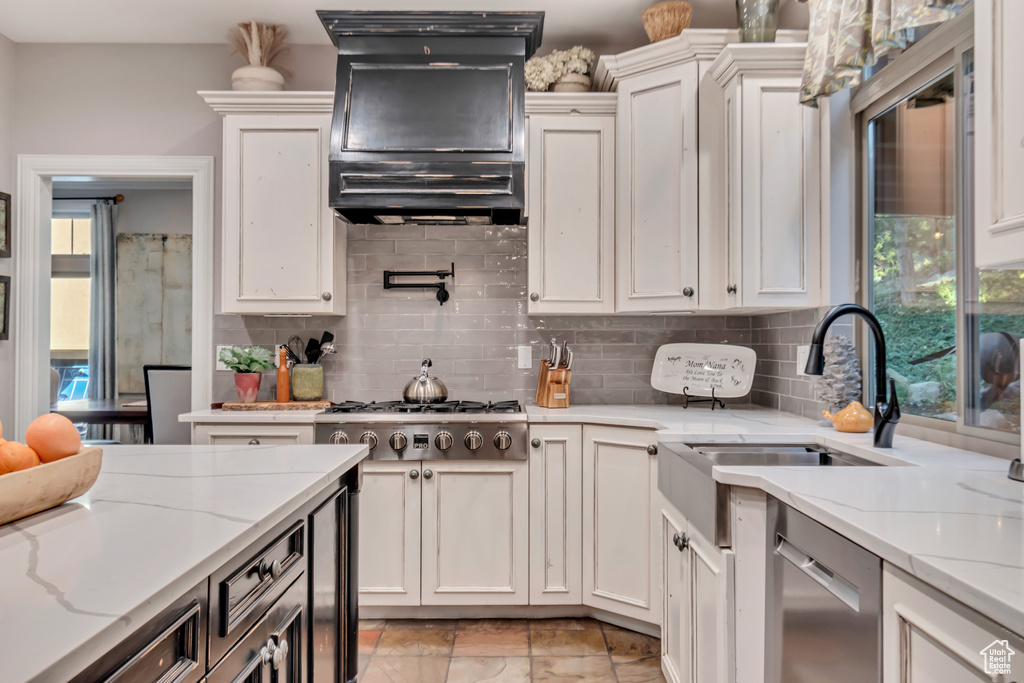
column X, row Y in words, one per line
column 389, row 533
column 656, row 197
column 621, row 527
column 765, row 183
column 675, row 627
column 556, row 507
column 251, row 434
column 571, row 179
column 928, row 636
column 283, row 248
column 697, row 604
column 998, row 129
column 475, row 545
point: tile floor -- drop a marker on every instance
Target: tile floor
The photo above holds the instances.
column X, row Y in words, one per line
column 505, row 651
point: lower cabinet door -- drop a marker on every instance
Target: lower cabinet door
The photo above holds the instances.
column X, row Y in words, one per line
column 556, row 506
column 928, row 636
column 621, row 531
column 675, row 571
column 710, row 609
column 475, row 532
column 389, row 533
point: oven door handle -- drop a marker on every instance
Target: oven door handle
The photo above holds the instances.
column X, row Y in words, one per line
column 846, row 592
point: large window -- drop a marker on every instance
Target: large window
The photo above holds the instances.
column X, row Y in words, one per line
column 70, row 245
column 951, row 329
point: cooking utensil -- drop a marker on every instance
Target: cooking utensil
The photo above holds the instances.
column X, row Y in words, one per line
column 326, row 350
column 564, row 356
column 425, row 389
column 312, row 350
column 295, row 346
column 568, row 362
column 327, row 338
column 557, row 357
column 551, row 356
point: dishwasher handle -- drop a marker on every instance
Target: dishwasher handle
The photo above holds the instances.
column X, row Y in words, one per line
column 835, row 584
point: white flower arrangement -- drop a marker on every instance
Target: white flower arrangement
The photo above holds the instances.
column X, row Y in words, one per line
column 541, row 72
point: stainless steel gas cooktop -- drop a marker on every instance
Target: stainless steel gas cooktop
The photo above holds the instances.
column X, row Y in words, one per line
column 451, row 430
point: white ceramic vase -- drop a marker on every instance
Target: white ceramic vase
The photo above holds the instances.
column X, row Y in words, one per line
column 256, row 78
column 572, row 83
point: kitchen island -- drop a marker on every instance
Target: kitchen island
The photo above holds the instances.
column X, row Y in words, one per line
column 82, row 580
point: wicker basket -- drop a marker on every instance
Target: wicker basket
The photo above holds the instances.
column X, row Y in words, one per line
column 666, row 19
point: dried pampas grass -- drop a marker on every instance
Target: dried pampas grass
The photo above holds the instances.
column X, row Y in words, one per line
column 261, row 44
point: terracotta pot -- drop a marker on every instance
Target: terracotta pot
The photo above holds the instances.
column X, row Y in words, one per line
column 256, row 78
column 247, row 384
column 572, row 83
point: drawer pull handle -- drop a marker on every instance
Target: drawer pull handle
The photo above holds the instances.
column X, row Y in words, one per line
column 254, row 442
column 271, row 569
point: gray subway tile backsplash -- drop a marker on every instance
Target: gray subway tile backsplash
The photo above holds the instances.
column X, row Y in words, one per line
column 473, row 338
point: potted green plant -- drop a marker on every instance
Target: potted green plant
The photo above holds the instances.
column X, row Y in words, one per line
column 248, row 363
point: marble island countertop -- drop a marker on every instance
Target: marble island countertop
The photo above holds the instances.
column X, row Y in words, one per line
column 81, row 577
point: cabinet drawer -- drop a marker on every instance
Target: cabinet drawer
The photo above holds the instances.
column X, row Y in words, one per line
column 242, row 590
column 256, row 435
column 171, row 648
column 273, row 649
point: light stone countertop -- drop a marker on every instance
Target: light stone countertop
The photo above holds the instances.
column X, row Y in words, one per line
column 80, row 578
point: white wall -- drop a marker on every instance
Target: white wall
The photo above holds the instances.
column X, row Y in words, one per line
column 7, row 169
column 159, row 211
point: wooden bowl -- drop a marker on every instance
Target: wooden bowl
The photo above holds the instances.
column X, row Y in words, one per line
column 665, row 20
column 48, row 485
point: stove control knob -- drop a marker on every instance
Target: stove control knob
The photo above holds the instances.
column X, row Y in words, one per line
column 369, row 439
column 339, row 437
column 444, row 440
column 399, row 441
column 502, row 440
column 474, row 441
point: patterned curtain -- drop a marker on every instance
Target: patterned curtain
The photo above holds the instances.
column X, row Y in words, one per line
column 847, row 35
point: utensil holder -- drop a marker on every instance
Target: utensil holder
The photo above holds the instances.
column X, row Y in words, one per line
column 553, row 386
column 307, row 382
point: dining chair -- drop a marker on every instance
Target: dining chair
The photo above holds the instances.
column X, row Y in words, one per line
column 168, row 395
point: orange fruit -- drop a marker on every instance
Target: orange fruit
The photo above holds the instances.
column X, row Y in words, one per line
column 53, row 437
column 16, row 456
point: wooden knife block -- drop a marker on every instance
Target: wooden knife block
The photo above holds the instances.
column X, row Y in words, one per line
column 553, row 386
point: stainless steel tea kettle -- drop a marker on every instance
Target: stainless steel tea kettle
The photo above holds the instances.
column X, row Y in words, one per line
column 425, row 389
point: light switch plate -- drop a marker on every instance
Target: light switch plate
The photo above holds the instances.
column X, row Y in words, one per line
column 525, row 357
column 802, row 352
column 220, row 366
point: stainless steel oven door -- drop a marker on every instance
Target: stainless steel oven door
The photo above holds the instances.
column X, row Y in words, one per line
column 823, row 604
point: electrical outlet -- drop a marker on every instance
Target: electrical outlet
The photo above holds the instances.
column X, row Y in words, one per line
column 525, row 357
column 220, row 366
column 802, row 352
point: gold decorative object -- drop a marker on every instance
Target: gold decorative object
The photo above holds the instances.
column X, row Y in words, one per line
column 665, row 20
column 854, row 418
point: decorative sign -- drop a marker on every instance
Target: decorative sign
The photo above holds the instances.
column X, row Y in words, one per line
column 701, row 368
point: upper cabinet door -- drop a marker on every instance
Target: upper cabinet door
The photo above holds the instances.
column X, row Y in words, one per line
column 280, row 251
column 571, row 178
column 998, row 133
column 656, row 197
column 779, row 203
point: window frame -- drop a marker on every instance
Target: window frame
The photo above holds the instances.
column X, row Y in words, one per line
column 934, row 57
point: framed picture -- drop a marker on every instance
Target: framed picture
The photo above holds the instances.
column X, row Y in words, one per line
column 5, row 306
column 5, row 226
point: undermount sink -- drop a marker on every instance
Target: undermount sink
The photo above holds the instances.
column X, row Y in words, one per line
column 779, row 455
column 685, row 475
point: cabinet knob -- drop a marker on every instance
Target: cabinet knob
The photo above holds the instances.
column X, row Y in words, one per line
column 270, row 569
column 535, row 443
column 414, row 474
column 688, row 291
column 731, row 289
column 326, row 296
column 428, row 474
column 534, row 296
column 681, row 542
column 254, row 442
column 274, row 654
column 652, row 449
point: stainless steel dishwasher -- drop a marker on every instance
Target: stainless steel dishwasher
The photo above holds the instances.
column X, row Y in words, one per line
column 824, row 598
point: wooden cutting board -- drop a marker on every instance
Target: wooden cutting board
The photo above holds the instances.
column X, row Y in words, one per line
column 274, row 405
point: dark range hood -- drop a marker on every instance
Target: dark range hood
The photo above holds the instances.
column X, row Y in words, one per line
column 429, row 115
